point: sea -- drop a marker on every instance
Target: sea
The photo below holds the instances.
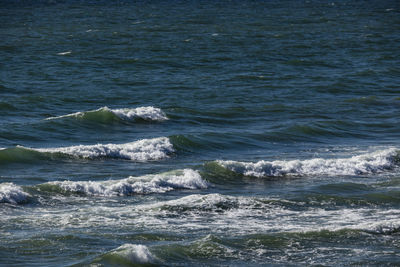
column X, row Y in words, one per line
column 200, row 133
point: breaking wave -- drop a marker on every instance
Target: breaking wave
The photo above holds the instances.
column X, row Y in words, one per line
column 201, row 203
column 106, row 114
column 127, row 255
column 141, row 150
column 357, row 165
column 11, row 193
column 159, row 183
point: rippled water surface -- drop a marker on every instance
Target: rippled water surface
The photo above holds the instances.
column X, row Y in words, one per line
column 199, row 133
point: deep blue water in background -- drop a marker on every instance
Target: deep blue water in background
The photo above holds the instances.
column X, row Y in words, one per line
column 199, row 133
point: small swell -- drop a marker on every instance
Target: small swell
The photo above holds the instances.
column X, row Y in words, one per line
column 127, row 255
column 19, row 154
column 107, row 115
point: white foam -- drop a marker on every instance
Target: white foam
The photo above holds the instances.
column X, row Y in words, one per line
column 160, row 183
column 134, row 253
column 244, row 215
column 146, row 113
column 64, row 53
column 199, row 214
column 141, row 150
column 356, row 165
column 11, row 193
column 196, row 201
column 76, row 114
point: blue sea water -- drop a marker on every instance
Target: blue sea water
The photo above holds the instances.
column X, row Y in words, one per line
column 199, row 133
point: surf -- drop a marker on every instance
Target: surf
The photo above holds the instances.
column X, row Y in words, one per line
column 108, row 115
column 368, row 163
column 141, row 151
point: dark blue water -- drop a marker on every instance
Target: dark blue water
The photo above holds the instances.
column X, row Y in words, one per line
column 199, row 133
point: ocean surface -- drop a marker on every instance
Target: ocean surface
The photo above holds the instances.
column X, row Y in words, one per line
column 199, row 133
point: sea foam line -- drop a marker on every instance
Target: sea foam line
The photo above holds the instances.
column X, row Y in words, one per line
column 159, row 183
column 357, row 165
column 146, row 113
column 141, row 150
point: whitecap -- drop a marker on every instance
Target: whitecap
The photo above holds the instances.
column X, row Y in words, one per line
column 159, row 183
column 145, row 113
column 357, row 165
column 11, row 193
column 64, row 53
column 134, row 253
column 76, row 114
column 141, row 150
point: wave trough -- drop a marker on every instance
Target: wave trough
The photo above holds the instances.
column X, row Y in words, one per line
column 357, row 165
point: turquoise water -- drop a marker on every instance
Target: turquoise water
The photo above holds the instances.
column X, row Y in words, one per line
column 199, row 133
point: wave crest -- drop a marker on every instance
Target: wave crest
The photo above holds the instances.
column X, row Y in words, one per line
column 11, row 193
column 146, row 113
column 356, row 165
column 127, row 255
column 142, row 150
column 105, row 114
column 159, row 183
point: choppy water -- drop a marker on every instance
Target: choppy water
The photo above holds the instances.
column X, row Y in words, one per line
column 199, row 133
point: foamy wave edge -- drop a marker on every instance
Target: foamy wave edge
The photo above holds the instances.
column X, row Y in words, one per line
column 141, row 150
column 11, row 193
column 149, row 113
column 368, row 163
column 131, row 253
column 158, row 183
